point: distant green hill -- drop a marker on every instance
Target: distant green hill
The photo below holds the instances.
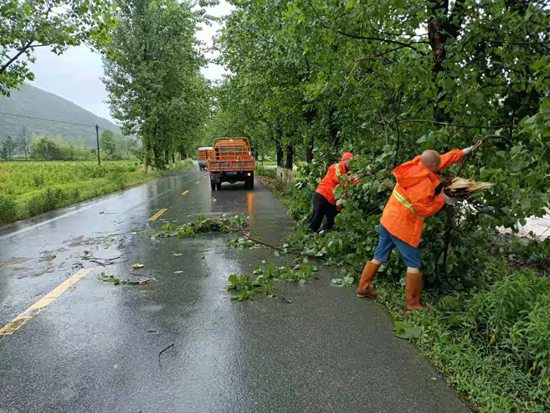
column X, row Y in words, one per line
column 34, row 102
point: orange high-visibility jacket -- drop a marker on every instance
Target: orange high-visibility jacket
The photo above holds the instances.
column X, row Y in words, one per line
column 331, row 181
column 414, row 199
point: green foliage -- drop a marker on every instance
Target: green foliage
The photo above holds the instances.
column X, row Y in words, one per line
column 30, row 188
column 264, row 278
column 105, row 277
column 339, row 76
column 55, row 149
column 108, row 144
column 346, row 281
column 8, row 209
column 153, row 77
column 202, row 225
column 7, row 148
column 493, row 344
column 58, row 24
column 242, row 243
column 110, row 278
column 407, row 330
column 336, row 78
column 513, row 317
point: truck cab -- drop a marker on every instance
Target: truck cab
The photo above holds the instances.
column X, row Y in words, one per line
column 231, row 161
column 204, row 152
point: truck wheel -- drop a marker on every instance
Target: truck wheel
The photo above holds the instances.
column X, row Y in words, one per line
column 219, row 186
column 213, row 184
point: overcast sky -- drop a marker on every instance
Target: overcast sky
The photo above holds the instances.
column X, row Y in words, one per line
column 76, row 74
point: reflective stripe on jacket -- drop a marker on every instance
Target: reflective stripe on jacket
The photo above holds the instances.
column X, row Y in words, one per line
column 415, row 198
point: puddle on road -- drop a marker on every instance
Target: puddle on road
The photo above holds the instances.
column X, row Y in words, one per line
column 13, row 262
column 104, row 240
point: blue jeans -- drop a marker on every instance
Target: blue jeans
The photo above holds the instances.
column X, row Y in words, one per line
column 409, row 254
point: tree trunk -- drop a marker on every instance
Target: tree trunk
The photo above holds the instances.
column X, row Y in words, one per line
column 309, row 151
column 289, row 157
column 442, row 26
column 279, row 154
column 333, row 128
column 147, row 155
column 287, row 172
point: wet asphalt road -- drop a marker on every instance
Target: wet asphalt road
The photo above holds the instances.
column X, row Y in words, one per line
column 96, row 348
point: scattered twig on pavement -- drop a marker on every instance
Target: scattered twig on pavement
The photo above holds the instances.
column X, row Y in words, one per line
column 101, row 261
column 165, row 349
column 247, row 236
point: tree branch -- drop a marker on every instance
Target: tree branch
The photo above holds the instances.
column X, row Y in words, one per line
column 456, row 125
column 362, row 37
column 14, row 58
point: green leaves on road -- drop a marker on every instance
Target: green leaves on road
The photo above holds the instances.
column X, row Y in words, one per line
column 407, row 330
column 107, row 277
column 264, row 278
column 202, row 225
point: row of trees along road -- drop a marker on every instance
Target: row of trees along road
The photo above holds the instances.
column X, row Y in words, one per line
column 312, row 78
column 152, row 68
column 151, row 61
column 46, row 148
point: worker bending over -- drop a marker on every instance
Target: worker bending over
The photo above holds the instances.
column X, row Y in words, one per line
column 324, row 201
column 417, row 195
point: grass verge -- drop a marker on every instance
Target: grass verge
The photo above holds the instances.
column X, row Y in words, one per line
column 31, row 188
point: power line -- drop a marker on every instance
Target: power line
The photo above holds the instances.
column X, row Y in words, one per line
column 49, row 120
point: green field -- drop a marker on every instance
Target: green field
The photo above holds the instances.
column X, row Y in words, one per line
column 31, row 188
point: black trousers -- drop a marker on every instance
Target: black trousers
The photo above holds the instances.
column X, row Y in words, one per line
column 322, row 208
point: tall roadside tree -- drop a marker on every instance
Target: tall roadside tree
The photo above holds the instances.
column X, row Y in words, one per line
column 57, row 24
column 152, row 70
column 267, row 84
column 389, row 79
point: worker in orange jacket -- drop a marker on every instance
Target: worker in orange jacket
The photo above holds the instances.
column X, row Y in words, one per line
column 324, row 201
column 417, row 195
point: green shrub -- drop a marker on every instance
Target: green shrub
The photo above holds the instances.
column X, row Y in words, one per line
column 7, row 209
column 49, row 199
column 509, row 301
column 37, row 187
column 529, row 339
column 38, row 180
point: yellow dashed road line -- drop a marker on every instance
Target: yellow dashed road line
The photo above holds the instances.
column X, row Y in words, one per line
column 185, row 192
column 158, row 214
column 45, row 301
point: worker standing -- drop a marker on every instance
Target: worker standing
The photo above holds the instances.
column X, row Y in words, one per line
column 324, row 201
column 417, row 195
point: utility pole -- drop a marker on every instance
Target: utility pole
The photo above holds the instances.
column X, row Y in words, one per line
column 97, row 139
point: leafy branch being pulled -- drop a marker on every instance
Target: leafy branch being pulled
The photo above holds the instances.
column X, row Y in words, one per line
column 264, row 277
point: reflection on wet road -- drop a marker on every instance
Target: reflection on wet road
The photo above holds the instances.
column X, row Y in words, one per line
column 99, row 347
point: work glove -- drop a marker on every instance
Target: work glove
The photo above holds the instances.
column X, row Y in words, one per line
column 468, row 149
column 449, row 200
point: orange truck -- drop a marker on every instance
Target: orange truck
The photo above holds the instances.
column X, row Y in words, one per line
column 231, row 162
column 204, row 153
